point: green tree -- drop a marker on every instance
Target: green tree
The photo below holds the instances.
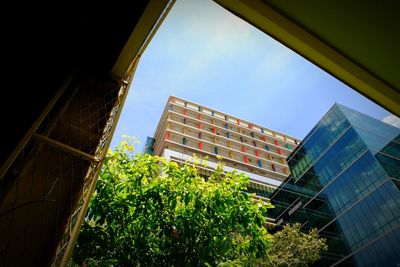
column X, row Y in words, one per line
column 147, row 211
column 294, row 248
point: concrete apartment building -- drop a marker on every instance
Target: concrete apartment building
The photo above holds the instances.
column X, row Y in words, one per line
column 187, row 128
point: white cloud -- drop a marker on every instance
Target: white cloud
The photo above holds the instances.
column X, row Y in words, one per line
column 219, row 34
column 276, row 60
column 392, row 120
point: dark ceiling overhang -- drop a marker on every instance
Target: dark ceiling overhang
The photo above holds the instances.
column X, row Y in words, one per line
column 46, row 43
column 70, row 67
column 355, row 41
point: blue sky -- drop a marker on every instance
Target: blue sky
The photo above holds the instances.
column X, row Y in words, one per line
column 207, row 55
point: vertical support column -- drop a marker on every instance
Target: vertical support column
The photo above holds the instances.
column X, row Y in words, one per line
column 286, row 171
column 199, row 118
column 259, row 163
column 215, row 133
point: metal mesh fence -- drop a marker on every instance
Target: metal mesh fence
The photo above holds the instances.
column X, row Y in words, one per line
column 42, row 192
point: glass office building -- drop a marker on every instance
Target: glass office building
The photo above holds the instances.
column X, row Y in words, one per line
column 345, row 181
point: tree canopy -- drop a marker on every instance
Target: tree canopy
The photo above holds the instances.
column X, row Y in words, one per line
column 147, row 211
column 295, row 248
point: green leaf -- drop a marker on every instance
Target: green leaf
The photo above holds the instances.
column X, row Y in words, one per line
column 153, row 212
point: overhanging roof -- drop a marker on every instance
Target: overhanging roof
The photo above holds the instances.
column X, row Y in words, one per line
column 47, row 43
column 70, row 66
column 355, row 41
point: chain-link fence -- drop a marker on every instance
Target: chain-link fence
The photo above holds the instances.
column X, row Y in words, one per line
column 44, row 189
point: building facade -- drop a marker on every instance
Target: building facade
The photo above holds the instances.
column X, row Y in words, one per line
column 187, row 128
column 345, row 181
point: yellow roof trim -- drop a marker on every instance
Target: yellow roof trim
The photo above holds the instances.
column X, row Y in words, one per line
column 148, row 23
column 267, row 19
